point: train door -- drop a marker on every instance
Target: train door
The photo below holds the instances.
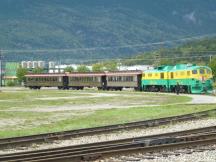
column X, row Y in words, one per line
column 139, row 82
column 104, row 82
column 65, row 81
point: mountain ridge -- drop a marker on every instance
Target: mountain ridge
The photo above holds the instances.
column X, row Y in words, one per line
column 60, row 24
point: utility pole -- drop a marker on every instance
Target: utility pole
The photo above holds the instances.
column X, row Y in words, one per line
column 1, row 57
column 210, row 58
column 157, row 60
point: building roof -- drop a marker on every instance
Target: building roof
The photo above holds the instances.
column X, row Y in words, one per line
column 44, row 75
column 124, row 73
column 75, row 74
column 10, row 77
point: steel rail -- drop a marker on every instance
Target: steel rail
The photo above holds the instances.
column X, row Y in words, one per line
column 129, row 143
column 49, row 137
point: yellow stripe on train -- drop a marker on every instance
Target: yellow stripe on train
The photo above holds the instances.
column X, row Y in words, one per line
column 181, row 74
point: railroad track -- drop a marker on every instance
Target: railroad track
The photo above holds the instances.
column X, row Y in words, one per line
column 49, row 137
column 107, row 149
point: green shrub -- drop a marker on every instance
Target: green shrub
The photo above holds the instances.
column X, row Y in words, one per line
column 10, row 83
column 214, row 84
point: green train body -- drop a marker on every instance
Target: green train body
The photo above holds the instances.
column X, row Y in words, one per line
column 191, row 79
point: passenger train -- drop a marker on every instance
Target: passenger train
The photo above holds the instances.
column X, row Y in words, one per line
column 191, row 79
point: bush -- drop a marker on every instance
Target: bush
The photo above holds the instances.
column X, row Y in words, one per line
column 10, row 83
column 214, row 85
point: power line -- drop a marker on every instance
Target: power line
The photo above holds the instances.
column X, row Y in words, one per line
column 153, row 59
column 103, row 48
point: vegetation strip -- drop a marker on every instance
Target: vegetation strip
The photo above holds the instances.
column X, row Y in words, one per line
column 82, row 151
column 26, row 140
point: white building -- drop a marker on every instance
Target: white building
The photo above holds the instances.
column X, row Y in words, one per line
column 60, row 68
column 29, row 64
column 34, row 64
column 136, row 67
column 51, row 65
column 24, row 64
column 41, row 64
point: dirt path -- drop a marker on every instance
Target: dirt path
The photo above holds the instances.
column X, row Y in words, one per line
column 202, row 99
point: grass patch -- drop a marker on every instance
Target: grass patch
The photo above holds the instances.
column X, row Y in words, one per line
column 45, row 98
column 98, row 118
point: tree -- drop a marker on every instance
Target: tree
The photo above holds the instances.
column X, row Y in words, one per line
column 166, row 62
column 83, row 68
column 37, row 70
column 69, row 69
column 20, row 73
column 212, row 65
column 98, row 67
column 111, row 66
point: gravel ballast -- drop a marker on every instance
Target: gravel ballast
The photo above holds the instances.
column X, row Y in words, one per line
column 118, row 135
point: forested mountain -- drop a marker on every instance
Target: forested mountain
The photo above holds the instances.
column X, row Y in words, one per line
column 195, row 52
column 78, row 24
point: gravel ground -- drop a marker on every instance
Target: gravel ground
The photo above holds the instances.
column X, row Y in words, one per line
column 196, row 99
column 208, row 154
column 202, row 99
column 119, row 135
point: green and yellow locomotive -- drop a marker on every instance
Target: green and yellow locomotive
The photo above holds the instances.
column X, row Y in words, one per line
column 184, row 78
column 191, row 79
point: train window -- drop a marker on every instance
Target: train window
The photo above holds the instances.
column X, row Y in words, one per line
column 202, row 71
column 129, row 79
column 182, row 73
column 119, row 79
column 172, row 75
column 194, row 71
column 150, row 75
column 143, row 75
column 208, row 71
column 162, row 75
column 59, row 79
column 115, row 79
column 188, row 73
column 156, row 74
